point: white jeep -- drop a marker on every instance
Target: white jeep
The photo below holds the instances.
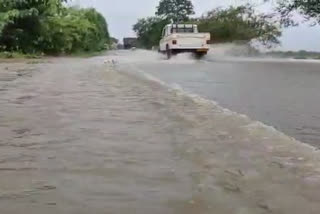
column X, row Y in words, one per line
column 180, row 38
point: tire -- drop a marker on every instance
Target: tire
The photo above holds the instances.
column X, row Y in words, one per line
column 200, row 55
column 168, row 52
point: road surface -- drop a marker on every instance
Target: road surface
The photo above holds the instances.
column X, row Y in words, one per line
column 281, row 93
column 93, row 136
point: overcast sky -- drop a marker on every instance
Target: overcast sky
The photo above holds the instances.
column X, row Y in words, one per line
column 122, row 14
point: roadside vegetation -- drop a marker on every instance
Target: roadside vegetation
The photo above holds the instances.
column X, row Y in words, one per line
column 241, row 23
column 149, row 31
column 234, row 24
column 37, row 27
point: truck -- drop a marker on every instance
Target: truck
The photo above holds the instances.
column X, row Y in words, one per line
column 130, row 42
column 181, row 38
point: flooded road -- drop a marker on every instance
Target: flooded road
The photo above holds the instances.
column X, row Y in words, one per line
column 281, row 93
column 89, row 136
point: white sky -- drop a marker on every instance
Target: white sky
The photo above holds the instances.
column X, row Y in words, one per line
column 121, row 15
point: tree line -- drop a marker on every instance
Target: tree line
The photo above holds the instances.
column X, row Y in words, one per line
column 50, row 27
column 242, row 23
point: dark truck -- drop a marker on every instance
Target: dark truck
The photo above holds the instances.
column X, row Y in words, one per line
column 130, row 42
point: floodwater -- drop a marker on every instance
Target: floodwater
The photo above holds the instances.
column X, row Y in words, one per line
column 97, row 136
column 281, row 93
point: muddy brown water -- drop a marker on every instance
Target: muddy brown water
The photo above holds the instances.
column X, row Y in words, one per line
column 79, row 136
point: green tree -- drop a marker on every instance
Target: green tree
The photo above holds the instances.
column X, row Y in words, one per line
column 176, row 10
column 241, row 23
column 149, row 31
column 32, row 26
column 75, row 30
column 310, row 9
column 20, row 22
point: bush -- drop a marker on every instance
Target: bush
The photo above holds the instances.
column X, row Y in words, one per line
column 46, row 26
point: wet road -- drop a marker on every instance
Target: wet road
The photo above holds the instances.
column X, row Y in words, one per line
column 281, row 93
column 82, row 136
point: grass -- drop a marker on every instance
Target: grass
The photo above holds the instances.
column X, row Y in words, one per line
column 20, row 56
column 17, row 55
